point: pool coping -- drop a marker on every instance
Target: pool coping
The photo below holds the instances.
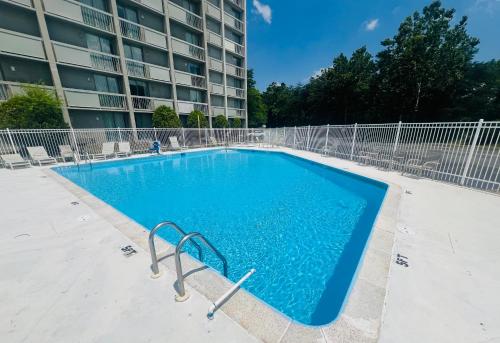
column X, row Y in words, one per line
column 361, row 317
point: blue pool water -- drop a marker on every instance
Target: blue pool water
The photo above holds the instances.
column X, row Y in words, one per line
column 301, row 225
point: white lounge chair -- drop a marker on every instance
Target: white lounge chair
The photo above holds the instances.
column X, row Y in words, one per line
column 14, row 160
column 213, row 141
column 66, row 152
column 123, row 149
column 174, row 143
column 39, row 155
column 108, row 150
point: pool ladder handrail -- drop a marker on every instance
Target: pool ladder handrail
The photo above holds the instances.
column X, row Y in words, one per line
column 152, row 247
column 182, row 295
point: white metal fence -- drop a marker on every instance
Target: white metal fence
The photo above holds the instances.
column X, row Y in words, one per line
column 465, row 153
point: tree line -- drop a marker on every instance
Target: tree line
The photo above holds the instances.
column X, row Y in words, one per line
column 424, row 73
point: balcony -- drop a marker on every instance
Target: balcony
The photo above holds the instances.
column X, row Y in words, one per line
column 186, row 107
column 147, row 71
column 215, row 64
column 218, row 111
column 234, row 47
column 26, row 3
column 147, row 104
column 79, row 98
column 236, row 112
column 80, row 13
column 181, row 15
column 21, row 44
column 238, row 3
column 216, row 88
column 187, row 49
column 155, row 5
column 235, row 92
column 233, row 70
column 142, row 34
column 233, row 23
column 214, row 39
column 69, row 54
column 187, row 79
column 213, row 11
column 9, row 89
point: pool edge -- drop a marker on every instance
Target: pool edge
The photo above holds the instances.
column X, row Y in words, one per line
column 360, row 318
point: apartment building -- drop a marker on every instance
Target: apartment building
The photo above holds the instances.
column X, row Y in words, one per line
column 112, row 62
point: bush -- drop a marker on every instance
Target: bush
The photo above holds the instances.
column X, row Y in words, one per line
column 37, row 108
column 236, row 123
column 197, row 118
column 220, row 122
column 165, row 116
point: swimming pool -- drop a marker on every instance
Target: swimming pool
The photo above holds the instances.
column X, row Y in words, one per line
column 303, row 226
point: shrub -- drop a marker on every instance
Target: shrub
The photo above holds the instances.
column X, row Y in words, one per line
column 197, row 119
column 236, row 123
column 36, row 108
column 165, row 116
column 220, row 122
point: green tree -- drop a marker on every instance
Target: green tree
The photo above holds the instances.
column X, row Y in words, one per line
column 197, row 119
column 256, row 107
column 36, row 108
column 220, row 122
column 236, row 123
column 165, row 117
column 423, row 64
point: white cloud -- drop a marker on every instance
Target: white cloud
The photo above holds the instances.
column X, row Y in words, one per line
column 264, row 10
column 371, row 24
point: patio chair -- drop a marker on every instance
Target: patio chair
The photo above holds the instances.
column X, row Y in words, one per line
column 66, row 152
column 39, row 155
column 174, row 143
column 14, row 160
column 331, row 150
column 429, row 163
column 213, row 141
column 123, row 149
column 108, row 150
column 389, row 161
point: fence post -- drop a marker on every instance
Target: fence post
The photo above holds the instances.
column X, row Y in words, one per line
column 75, row 142
column 471, row 152
column 156, row 136
column 119, row 134
column 294, row 137
column 396, row 141
column 353, row 140
column 206, row 137
column 326, row 137
column 183, row 137
column 308, row 137
column 11, row 142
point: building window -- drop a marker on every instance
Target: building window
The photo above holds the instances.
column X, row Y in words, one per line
column 233, row 36
column 138, row 88
column 213, row 26
column 128, row 13
column 98, row 43
column 99, row 4
column 133, row 52
column 217, row 100
column 106, row 84
column 214, row 52
column 231, row 11
column 215, row 77
column 189, row 5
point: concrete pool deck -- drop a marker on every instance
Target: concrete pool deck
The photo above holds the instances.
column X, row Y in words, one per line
column 63, row 271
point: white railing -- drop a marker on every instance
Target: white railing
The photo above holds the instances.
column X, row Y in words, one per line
column 233, row 47
column 180, row 14
column 147, row 70
column 213, row 10
column 233, row 22
column 152, row 4
column 189, row 106
column 142, row 33
column 188, row 49
column 79, row 98
column 235, row 92
column 148, row 104
column 70, row 54
column 464, row 153
column 188, row 79
column 235, row 70
column 9, row 89
column 238, row 3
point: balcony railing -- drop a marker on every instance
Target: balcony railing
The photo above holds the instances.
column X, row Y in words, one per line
column 26, row 3
column 189, row 106
column 70, row 54
column 152, row 4
column 8, row 89
column 79, row 98
column 215, row 64
column 218, row 110
column 213, row 11
column 235, row 92
column 234, row 47
column 233, row 70
column 214, row 39
column 184, row 48
column 142, row 33
column 188, row 79
column 235, row 112
column 180, row 14
column 147, row 70
column 233, row 22
column 81, row 13
column 21, row 44
column 215, row 88
column 148, row 104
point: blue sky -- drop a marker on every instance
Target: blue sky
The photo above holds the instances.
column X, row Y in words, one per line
column 289, row 40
